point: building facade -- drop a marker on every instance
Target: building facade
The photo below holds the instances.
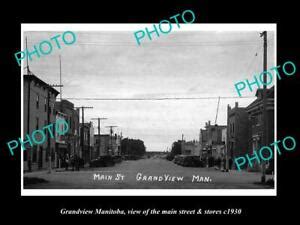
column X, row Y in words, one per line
column 109, row 144
column 212, row 143
column 86, row 132
column 190, row 148
column 38, row 111
column 68, row 146
column 237, row 133
column 256, row 125
column 203, row 142
column 104, row 144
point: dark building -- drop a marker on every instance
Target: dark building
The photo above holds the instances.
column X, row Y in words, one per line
column 212, row 142
column 109, row 144
column 38, row 111
column 237, row 132
column 203, row 141
column 69, row 145
column 104, row 144
column 86, row 141
column 256, row 125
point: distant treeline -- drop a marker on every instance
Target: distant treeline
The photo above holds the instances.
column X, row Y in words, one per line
column 132, row 147
column 176, row 150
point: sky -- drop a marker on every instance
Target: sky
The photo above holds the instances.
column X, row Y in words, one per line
column 189, row 64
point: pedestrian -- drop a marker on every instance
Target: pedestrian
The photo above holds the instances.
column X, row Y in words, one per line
column 67, row 161
column 77, row 162
column 72, row 162
column 29, row 165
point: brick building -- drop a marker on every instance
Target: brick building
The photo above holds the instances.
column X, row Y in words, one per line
column 215, row 142
column 237, row 133
column 203, row 143
column 109, row 145
column 70, row 144
column 256, row 125
column 104, row 144
column 37, row 113
column 86, row 141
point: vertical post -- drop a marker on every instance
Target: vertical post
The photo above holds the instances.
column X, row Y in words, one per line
column 182, row 147
column 28, row 115
column 265, row 117
column 82, row 127
column 82, row 130
column 89, row 140
column 99, row 137
column 60, row 89
column 111, row 150
column 99, row 128
column 28, row 125
column 78, row 132
column 27, row 67
column 48, row 136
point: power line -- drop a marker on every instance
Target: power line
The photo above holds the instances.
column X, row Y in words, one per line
column 172, row 44
column 157, row 99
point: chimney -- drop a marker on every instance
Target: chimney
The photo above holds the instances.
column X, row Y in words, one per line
column 236, row 104
column 209, row 123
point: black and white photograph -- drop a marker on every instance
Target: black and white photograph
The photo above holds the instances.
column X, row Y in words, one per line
column 179, row 109
column 174, row 114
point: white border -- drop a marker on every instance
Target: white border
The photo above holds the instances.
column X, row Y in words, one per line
column 149, row 192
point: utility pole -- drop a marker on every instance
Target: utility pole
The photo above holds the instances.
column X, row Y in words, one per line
column 60, row 83
column 217, row 110
column 99, row 138
column 265, row 116
column 48, row 122
column 78, row 128
column 111, row 134
column 120, row 153
column 82, row 127
column 28, row 113
column 182, row 145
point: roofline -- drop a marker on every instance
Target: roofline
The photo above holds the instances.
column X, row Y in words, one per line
column 34, row 77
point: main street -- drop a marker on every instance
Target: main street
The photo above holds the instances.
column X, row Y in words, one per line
column 98, row 178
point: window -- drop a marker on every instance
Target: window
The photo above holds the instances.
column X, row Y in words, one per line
column 34, row 153
column 37, row 101
column 45, row 104
column 52, row 155
column 46, row 130
column 259, row 120
column 37, row 123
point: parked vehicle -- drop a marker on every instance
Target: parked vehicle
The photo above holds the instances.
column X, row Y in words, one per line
column 170, row 157
column 188, row 160
column 117, row 158
column 131, row 157
column 102, row 161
